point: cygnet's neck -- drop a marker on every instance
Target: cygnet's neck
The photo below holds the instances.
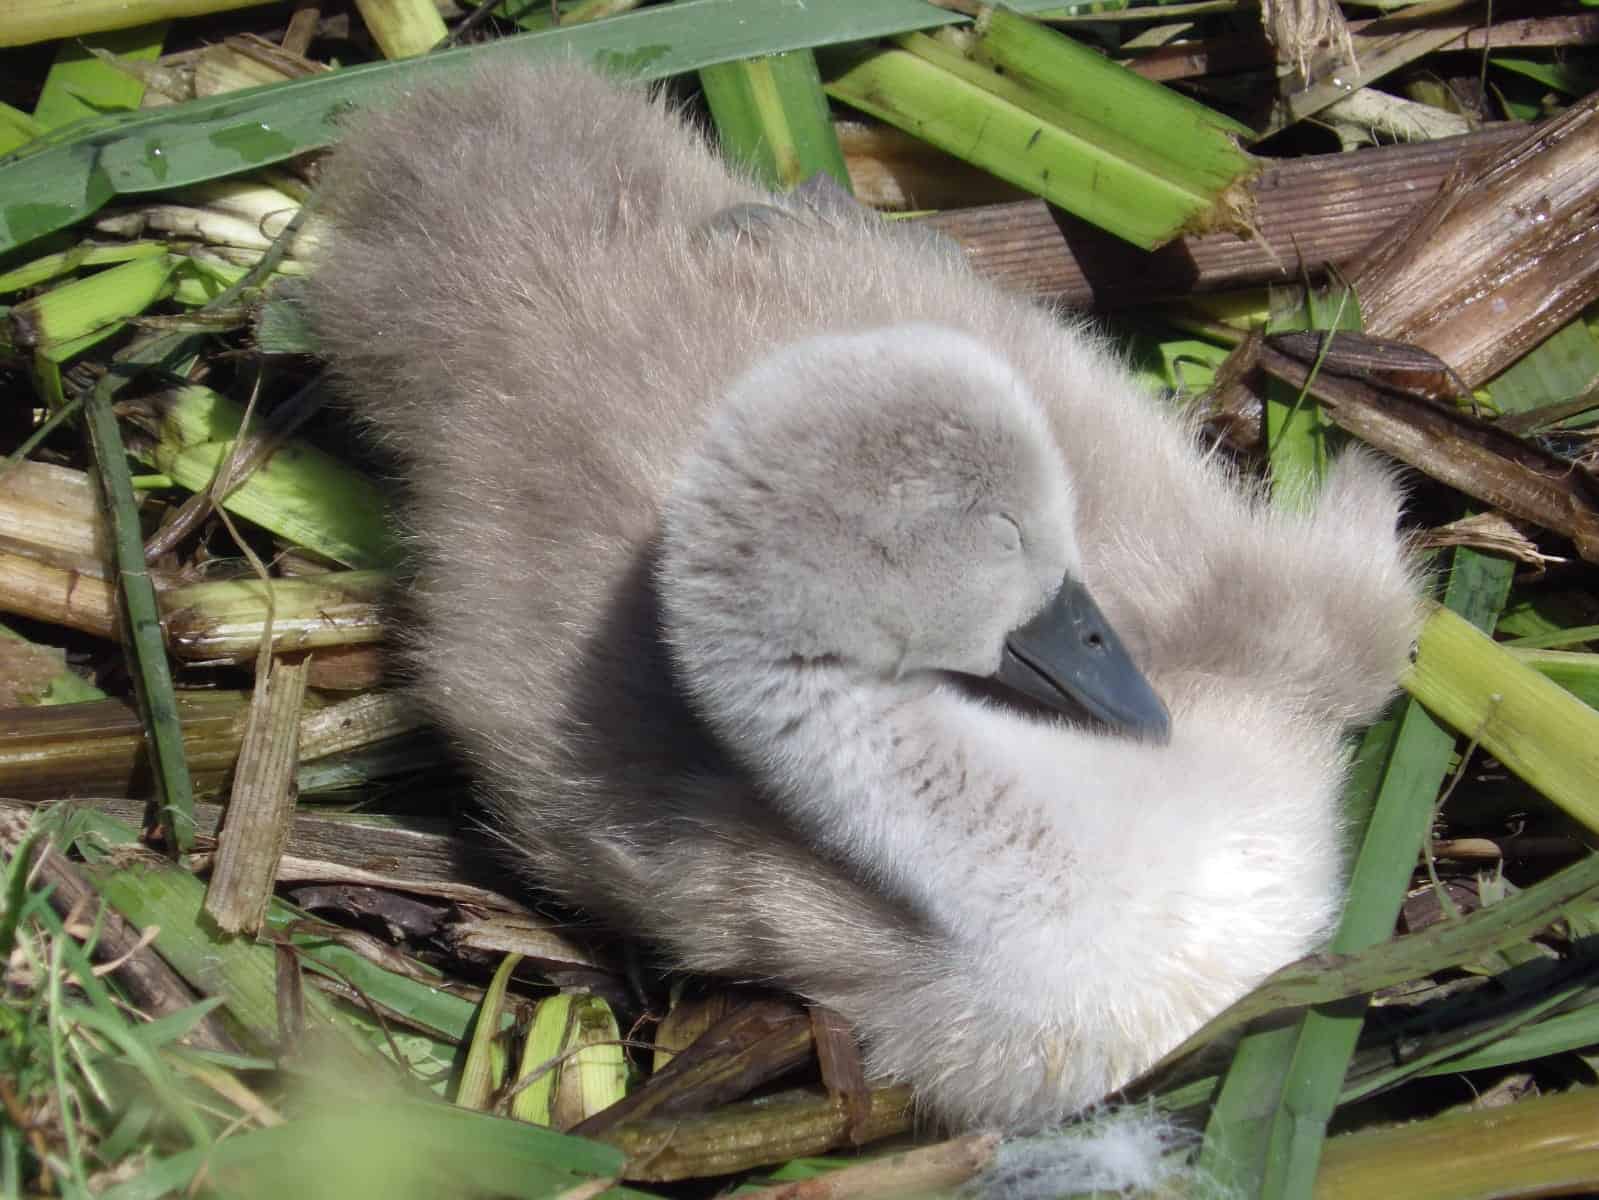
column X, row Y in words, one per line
column 921, row 787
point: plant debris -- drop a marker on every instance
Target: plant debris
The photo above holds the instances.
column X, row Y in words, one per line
column 313, row 983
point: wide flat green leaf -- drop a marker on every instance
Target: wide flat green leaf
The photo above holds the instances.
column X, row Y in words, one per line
column 67, row 179
column 1560, row 369
column 62, row 178
column 81, row 84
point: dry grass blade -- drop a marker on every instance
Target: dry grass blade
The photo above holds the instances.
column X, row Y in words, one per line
column 1491, row 532
column 261, row 806
column 1467, row 454
column 1379, row 49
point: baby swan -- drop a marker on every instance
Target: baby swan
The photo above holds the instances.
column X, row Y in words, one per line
column 712, row 533
column 870, row 517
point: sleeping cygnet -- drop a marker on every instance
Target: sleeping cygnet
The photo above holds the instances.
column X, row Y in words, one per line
column 715, row 537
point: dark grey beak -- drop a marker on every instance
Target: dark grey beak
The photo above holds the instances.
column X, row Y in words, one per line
column 1068, row 657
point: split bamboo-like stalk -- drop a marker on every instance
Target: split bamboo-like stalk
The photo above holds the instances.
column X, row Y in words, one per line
column 1308, row 210
column 213, row 226
column 483, row 1070
column 572, row 1062
column 771, row 116
column 220, row 621
column 59, row 595
column 30, row 21
column 403, row 28
column 224, row 621
column 1548, row 1146
column 1495, row 265
column 302, row 493
column 1048, row 115
column 50, row 514
column 751, row 1134
column 63, row 262
column 359, row 721
column 936, row 1170
column 381, row 851
column 95, row 748
column 98, row 748
column 248, row 61
column 84, row 306
column 1535, row 727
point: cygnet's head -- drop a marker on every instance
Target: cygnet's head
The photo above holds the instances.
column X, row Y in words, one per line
column 892, row 502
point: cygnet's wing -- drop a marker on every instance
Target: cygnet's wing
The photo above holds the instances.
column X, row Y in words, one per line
column 491, row 311
column 521, row 301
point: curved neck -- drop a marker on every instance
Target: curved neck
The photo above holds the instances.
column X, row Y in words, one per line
column 919, row 787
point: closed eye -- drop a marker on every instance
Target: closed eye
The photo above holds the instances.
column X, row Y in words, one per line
column 1006, row 532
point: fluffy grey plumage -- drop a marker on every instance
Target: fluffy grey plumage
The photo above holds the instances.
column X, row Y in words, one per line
column 701, row 520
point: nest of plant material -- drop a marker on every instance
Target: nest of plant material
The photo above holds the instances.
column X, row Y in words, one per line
column 253, row 937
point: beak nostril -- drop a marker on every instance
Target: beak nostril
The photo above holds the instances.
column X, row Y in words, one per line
column 1093, row 641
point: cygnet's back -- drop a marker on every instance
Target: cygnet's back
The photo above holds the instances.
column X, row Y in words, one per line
column 533, row 297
